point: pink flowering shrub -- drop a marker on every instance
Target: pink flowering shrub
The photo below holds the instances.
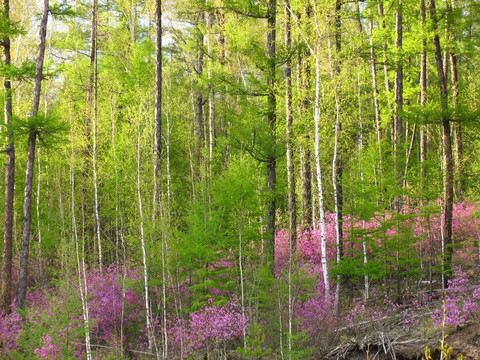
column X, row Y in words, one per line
column 48, row 350
column 210, row 328
column 460, row 303
column 10, row 331
column 108, row 304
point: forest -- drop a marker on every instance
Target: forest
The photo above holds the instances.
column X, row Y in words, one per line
column 240, row 179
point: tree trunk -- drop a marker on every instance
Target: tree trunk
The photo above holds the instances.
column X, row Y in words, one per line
column 6, row 280
column 423, row 98
column 319, row 177
column 457, row 128
column 271, row 121
column 338, row 162
column 292, row 206
column 289, row 134
column 303, row 83
column 375, row 88
column 211, row 93
column 82, row 278
column 398, row 137
column 27, row 198
column 94, row 76
column 447, row 150
column 158, row 104
column 148, row 313
column 198, row 129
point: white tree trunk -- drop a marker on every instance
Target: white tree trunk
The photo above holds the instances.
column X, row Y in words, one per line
column 142, row 243
column 82, row 278
column 360, row 145
column 242, row 291
column 335, row 196
column 323, row 245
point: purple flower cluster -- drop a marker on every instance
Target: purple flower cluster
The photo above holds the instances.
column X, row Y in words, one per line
column 460, row 303
column 209, row 328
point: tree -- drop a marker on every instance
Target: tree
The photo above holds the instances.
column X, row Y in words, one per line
column 6, row 280
column 271, row 121
column 446, row 148
column 32, row 137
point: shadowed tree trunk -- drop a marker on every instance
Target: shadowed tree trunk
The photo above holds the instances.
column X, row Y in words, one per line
column 447, row 150
column 198, row 128
column 271, row 121
column 457, row 128
column 6, row 290
column 398, row 129
column 292, row 206
column 303, row 77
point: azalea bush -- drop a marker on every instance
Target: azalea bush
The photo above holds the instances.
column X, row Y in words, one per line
column 52, row 325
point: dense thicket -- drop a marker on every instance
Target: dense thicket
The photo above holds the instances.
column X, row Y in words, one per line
column 177, row 144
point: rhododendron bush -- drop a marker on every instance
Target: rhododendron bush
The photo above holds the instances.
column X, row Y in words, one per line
column 52, row 325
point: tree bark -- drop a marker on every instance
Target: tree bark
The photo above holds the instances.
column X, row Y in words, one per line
column 158, row 103
column 198, row 128
column 398, row 137
column 375, row 87
column 292, row 206
column 423, row 98
column 27, row 198
column 93, row 62
column 447, row 150
column 338, row 162
column 305, row 152
column 319, row 177
column 6, row 280
column 148, row 314
column 457, row 128
column 271, row 122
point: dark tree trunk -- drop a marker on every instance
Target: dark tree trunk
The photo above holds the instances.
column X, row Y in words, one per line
column 27, row 200
column 460, row 183
column 6, row 290
column 271, row 120
column 398, row 137
column 447, row 150
column 198, row 129
column 305, row 152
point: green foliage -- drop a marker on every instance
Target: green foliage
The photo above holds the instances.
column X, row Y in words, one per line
column 24, row 71
column 61, row 10
column 255, row 344
column 59, row 327
column 49, row 129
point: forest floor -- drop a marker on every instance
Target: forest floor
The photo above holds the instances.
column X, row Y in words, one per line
column 464, row 341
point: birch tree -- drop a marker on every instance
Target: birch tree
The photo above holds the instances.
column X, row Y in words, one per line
column 32, row 138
